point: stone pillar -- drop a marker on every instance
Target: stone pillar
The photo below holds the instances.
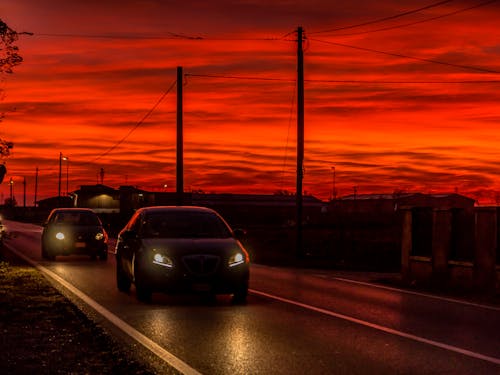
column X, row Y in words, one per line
column 441, row 243
column 406, row 244
column 485, row 249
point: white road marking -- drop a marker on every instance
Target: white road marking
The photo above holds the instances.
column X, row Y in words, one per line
column 149, row 344
column 392, row 331
column 442, row 298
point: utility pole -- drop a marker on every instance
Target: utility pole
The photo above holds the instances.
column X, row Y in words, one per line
column 334, row 190
column 60, row 175
column 36, row 186
column 180, row 145
column 11, row 183
column 24, row 192
column 300, row 139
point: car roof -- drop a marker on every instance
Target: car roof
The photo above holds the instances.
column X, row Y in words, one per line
column 73, row 209
column 157, row 209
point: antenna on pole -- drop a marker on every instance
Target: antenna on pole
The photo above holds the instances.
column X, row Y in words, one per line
column 300, row 138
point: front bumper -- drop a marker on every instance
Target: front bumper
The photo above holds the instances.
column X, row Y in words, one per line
column 69, row 247
column 224, row 280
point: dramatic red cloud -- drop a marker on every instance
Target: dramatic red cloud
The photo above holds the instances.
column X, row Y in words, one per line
column 384, row 121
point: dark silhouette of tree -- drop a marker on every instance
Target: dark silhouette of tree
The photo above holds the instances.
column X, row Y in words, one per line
column 9, row 58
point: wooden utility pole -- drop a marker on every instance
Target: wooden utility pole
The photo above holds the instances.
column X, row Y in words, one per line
column 300, row 139
column 60, row 176
column 24, row 192
column 180, row 145
column 36, row 186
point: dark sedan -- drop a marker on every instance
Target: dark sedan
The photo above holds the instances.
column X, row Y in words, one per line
column 74, row 231
column 181, row 249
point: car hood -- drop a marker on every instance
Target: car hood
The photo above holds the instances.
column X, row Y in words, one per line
column 175, row 246
column 75, row 228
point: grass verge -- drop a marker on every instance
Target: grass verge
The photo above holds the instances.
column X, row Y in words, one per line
column 41, row 332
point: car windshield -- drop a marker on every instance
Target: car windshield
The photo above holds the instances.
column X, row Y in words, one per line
column 184, row 225
column 76, row 218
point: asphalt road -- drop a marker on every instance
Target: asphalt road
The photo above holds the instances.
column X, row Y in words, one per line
column 295, row 322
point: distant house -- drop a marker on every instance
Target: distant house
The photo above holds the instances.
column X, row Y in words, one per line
column 262, row 209
column 386, row 203
column 54, row 202
column 100, row 198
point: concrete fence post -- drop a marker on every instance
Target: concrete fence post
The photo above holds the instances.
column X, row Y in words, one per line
column 441, row 244
column 406, row 245
column 485, row 249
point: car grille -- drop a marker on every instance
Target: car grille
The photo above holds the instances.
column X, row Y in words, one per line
column 200, row 264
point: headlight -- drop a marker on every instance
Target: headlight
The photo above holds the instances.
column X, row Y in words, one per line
column 236, row 259
column 99, row 236
column 60, row 236
column 162, row 260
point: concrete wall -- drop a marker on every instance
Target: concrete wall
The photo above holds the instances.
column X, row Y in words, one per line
column 461, row 253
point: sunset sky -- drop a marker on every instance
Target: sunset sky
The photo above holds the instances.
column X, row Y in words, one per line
column 395, row 99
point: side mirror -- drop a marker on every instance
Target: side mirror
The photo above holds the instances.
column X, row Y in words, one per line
column 129, row 235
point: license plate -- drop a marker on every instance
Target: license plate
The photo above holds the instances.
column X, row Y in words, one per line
column 80, row 245
column 202, row 287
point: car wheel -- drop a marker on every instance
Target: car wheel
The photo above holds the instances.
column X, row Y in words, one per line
column 122, row 281
column 143, row 293
column 142, row 290
column 240, row 295
column 45, row 253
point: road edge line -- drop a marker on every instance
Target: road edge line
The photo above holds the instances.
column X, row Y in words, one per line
column 378, row 327
column 149, row 344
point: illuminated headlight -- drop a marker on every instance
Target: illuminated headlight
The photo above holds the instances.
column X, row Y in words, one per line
column 236, row 260
column 99, row 236
column 60, row 236
column 162, row 260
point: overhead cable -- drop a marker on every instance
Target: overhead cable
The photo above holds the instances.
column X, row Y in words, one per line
column 383, row 19
column 400, row 26
column 347, row 81
column 136, row 125
column 467, row 67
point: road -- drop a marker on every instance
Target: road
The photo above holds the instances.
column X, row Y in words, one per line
column 295, row 322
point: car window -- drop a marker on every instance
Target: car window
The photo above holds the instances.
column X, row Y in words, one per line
column 184, row 225
column 76, row 218
column 134, row 223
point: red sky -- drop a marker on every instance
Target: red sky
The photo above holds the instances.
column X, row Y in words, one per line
column 94, row 69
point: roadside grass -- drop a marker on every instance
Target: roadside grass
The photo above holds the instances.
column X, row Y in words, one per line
column 41, row 332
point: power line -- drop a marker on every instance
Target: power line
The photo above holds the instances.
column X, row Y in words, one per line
column 357, row 81
column 384, row 19
column 136, row 125
column 468, row 67
column 475, row 82
column 247, row 78
column 421, row 21
column 167, row 36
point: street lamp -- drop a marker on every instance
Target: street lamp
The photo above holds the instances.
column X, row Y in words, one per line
column 61, row 158
column 11, row 183
column 67, row 173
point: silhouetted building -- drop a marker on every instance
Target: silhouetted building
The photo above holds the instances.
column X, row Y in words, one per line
column 55, row 202
column 100, row 198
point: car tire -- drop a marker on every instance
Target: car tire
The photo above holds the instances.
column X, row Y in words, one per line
column 240, row 295
column 142, row 292
column 46, row 254
column 122, row 281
